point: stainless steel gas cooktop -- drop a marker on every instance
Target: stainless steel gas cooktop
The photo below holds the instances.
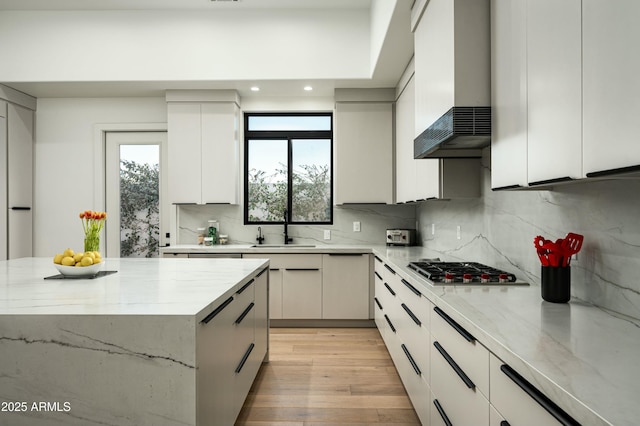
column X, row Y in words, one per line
column 442, row 273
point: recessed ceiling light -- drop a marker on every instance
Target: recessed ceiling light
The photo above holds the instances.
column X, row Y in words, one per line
column 255, row 89
column 308, row 88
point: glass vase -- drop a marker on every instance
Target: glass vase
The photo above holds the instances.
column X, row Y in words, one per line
column 91, row 243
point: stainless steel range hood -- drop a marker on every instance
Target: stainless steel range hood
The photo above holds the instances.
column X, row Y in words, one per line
column 461, row 132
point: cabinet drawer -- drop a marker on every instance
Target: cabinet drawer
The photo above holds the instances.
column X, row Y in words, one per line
column 415, row 336
column 468, row 353
column 289, row 261
column 176, row 255
column 519, row 402
column 412, row 375
column 461, row 404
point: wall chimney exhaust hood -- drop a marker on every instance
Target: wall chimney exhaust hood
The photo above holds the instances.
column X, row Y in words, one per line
column 453, row 78
column 461, row 132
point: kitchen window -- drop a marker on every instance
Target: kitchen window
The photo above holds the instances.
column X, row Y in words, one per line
column 288, row 158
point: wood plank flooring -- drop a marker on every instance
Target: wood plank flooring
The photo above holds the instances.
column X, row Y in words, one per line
column 327, row 376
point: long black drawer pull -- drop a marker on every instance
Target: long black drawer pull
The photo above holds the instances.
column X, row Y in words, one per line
column 413, row 363
column 378, row 275
column 20, row 208
column 445, row 419
column 262, row 272
column 389, row 269
column 390, row 324
column 412, row 288
column 378, row 302
column 390, row 289
column 557, row 412
column 467, row 381
column 412, row 315
column 244, row 313
column 302, row 269
column 217, row 310
column 244, row 287
column 244, row 358
column 464, row 333
column 504, row 423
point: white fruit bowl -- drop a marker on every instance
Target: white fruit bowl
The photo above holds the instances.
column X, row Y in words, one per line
column 79, row 271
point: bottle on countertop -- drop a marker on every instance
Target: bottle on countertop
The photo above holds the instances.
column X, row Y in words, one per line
column 213, row 230
column 201, row 233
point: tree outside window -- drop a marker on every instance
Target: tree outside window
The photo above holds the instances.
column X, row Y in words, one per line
column 288, row 162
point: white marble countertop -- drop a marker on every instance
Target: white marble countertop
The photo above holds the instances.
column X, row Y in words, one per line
column 581, row 356
column 140, row 287
column 266, row 248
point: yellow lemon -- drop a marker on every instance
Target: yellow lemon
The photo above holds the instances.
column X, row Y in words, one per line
column 68, row 261
column 58, row 258
column 86, row 261
column 90, row 254
column 78, row 257
column 68, row 252
column 97, row 254
column 78, row 265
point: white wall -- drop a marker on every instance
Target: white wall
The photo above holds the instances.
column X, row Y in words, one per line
column 64, row 167
column 184, row 45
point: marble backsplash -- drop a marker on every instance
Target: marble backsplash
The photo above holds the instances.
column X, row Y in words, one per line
column 374, row 220
column 499, row 228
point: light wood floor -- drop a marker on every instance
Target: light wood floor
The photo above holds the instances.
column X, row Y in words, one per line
column 327, row 376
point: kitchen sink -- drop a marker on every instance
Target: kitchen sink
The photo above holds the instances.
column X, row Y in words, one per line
column 282, row 246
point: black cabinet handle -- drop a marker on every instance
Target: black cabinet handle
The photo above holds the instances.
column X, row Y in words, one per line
column 413, row 363
column 464, row 333
column 20, row 208
column 244, row 313
column 262, row 272
column 445, row 419
column 378, row 275
column 467, row 381
column 558, row 413
column 551, row 181
column 302, row 269
column 377, row 258
column 617, row 171
column 244, row 287
column 504, row 423
column 377, row 302
column 389, row 269
column 244, row 358
column 390, row 324
column 390, row 289
column 217, row 310
column 347, row 254
column 412, row 288
column 412, row 315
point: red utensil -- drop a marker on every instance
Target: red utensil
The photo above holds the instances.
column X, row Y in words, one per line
column 571, row 245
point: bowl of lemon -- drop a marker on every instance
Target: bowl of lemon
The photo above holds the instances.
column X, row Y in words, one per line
column 81, row 264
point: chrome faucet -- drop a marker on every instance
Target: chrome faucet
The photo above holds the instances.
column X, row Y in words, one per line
column 287, row 239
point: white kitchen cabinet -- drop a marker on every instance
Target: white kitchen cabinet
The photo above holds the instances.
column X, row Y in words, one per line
column 345, row 286
column 611, row 88
column 363, row 151
column 554, row 87
column 204, row 152
column 16, row 143
column 515, row 398
column 299, row 277
column 495, row 418
column 262, row 290
column 508, row 94
column 406, row 165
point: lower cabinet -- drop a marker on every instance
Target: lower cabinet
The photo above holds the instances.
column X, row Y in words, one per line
column 302, row 293
column 345, row 286
column 519, row 402
column 232, row 342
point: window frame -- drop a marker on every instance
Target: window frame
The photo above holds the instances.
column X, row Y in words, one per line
column 287, row 135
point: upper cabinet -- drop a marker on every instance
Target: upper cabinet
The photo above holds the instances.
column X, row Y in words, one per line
column 564, row 90
column 611, row 87
column 554, row 86
column 204, row 147
column 363, row 146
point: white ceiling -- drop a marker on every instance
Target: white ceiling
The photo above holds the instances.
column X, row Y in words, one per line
column 394, row 56
column 179, row 4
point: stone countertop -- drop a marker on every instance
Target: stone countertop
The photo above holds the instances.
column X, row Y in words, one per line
column 583, row 357
column 140, row 287
column 266, row 248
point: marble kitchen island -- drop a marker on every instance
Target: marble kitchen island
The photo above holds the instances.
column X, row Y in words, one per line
column 160, row 342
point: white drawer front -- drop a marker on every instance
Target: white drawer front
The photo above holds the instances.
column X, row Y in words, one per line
column 469, row 354
column 513, row 403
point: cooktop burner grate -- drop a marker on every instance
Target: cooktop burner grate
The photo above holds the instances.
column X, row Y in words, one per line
column 462, row 273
